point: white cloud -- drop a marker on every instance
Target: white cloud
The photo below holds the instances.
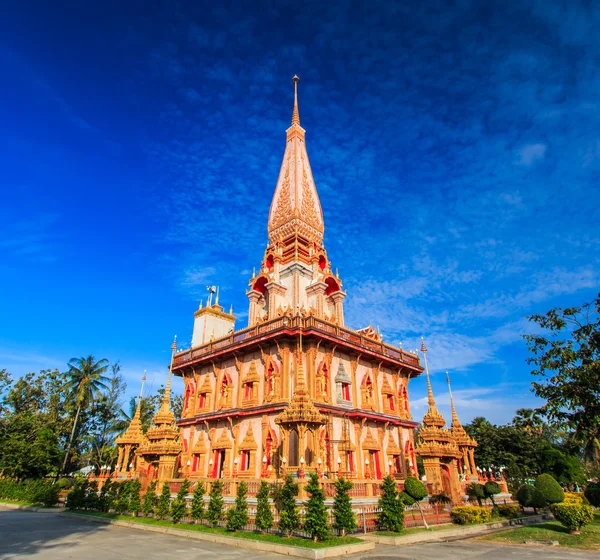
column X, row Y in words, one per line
column 531, row 153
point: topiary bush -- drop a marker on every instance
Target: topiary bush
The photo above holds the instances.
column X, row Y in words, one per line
column 215, row 503
column 264, row 515
column 150, row 500
column 549, row 489
column 237, row 516
column 530, row 496
column 490, row 489
column 417, row 491
column 315, row 520
column 179, row 504
column 197, row 510
column 592, row 494
column 164, row 502
column 288, row 511
column 574, row 498
column 573, row 516
column 509, row 511
column 343, row 516
column 470, row 515
column 475, row 491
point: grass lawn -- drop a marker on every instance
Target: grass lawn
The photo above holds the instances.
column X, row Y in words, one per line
column 19, row 503
column 291, row 541
column 551, row 530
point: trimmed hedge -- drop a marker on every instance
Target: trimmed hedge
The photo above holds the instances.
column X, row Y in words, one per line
column 470, row 515
column 592, row 494
column 574, row 498
column 509, row 511
column 32, row 491
column 572, row 516
column 549, row 489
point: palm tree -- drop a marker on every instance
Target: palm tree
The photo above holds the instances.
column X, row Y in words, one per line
column 85, row 383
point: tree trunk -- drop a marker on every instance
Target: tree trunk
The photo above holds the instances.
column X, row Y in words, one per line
column 64, row 465
column 422, row 515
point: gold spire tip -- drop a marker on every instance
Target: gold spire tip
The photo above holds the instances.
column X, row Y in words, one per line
column 296, row 113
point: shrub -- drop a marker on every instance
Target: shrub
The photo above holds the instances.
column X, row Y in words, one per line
column 315, row 522
column 469, row 515
column 92, row 500
column 76, row 498
column 530, row 496
column 264, row 515
column 573, row 516
column 476, row 492
column 164, row 502
column 343, row 516
column 549, row 489
column 406, row 499
column 288, row 516
column 391, row 516
column 65, row 483
column 121, row 504
column 215, row 503
column 592, row 494
column 150, row 500
column 417, row 491
column 490, row 489
column 510, row 511
column 197, row 511
column 441, row 499
column 135, row 502
column 574, row 498
column 237, row 516
column 179, row 505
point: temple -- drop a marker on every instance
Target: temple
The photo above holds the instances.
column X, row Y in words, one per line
column 296, row 390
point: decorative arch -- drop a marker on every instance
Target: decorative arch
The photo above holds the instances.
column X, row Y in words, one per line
column 190, row 390
column 332, row 285
column 323, row 380
column 260, row 285
column 225, row 389
column 367, row 389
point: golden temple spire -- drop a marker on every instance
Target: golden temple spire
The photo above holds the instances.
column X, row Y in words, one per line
column 430, row 399
column 296, row 113
column 455, row 420
column 167, row 395
column 138, row 410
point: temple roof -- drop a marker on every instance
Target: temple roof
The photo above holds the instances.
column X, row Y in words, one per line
column 295, row 208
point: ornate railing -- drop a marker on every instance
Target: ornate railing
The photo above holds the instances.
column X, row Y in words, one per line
column 293, row 323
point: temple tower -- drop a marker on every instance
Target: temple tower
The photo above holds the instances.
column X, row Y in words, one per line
column 438, row 449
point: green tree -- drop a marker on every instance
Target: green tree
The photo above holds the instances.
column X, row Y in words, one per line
column 237, row 516
column 164, row 502
column 215, row 503
column 315, row 521
column 288, row 515
column 85, row 382
column 150, row 500
column 264, row 515
column 476, row 491
column 122, row 502
column 592, row 494
column 179, row 505
column 566, row 357
column 549, row 489
column 490, row 489
column 343, row 516
column 197, row 510
column 417, row 491
column 391, row 515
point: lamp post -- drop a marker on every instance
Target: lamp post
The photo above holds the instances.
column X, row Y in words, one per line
column 301, row 467
column 235, row 467
column 339, row 462
column 390, row 468
column 264, row 466
column 210, row 464
column 367, row 470
column 284, row 467
column 319, row 467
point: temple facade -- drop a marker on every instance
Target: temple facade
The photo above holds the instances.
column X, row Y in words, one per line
column 296, row 390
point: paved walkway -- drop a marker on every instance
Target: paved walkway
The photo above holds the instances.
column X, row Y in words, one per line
column 51, row 536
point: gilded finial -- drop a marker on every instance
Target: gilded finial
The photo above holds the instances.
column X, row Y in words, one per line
column 231, row 309
column 423, row 348
column 295, row 114
column 337, row 274
column 174, row 345
column 217, row 298
column 430, row 399
column 454, row 415
column 253, row 272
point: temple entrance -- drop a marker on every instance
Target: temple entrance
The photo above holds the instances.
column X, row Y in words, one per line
column 219, row 463
column 446, row 485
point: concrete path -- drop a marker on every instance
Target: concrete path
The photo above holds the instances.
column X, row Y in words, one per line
column 50, row 536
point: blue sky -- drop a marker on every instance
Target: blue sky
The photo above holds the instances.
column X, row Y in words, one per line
column 455, row 147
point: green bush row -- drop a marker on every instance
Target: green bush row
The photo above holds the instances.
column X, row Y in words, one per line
column 32, row 491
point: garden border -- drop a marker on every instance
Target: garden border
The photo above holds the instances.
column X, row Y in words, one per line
column 287, row 550
column 457, row 532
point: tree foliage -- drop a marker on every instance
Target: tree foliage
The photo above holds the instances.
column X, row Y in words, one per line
column 197, row 509
column 179, row 504
column 549, row 489
column 215, row 503
column 264, row 515
column 164, row 502
column 315, row 521
column 237, row 516
column 288, row 514
column 150, row 500
column 566, row 358
column 391, row 515
column 343, row 516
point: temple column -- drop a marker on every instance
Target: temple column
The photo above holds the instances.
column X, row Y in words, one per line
column 253, row 296
column 338, row 300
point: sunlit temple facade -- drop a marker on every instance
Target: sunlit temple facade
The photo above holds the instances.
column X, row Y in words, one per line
column 295, row 391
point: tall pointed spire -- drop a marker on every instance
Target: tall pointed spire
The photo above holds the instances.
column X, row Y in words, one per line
column 295, row 112
column 430, row 399
column 167, row 395
column 433, row 416
column 295, row 208
column 138, row 410
column 455, row 421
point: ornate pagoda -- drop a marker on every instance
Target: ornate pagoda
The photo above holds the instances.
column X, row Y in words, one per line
column 296, row 390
